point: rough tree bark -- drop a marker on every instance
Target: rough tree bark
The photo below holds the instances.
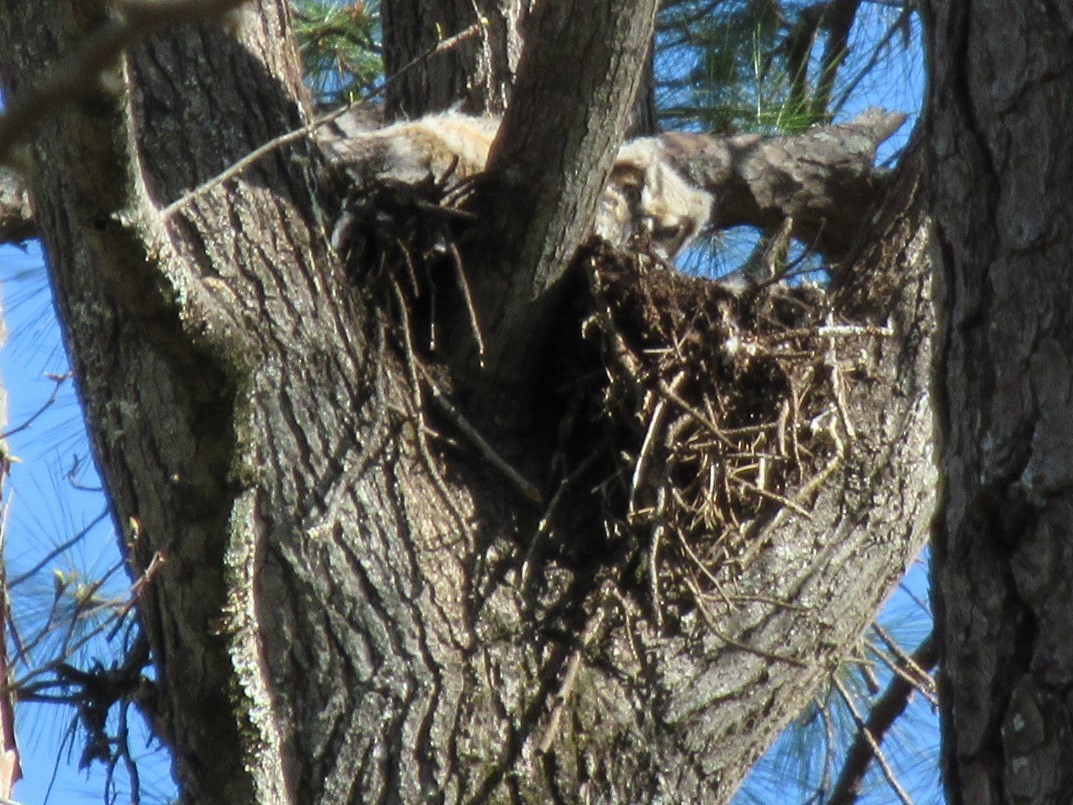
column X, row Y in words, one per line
column 1000, row 133
column 339, row 615
column 474, row 76
column 461, row 54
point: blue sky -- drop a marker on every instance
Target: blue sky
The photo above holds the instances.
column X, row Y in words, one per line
column 46, row 508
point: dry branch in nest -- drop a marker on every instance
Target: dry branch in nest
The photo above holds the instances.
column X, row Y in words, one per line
column 699, row 416
column 720, row 413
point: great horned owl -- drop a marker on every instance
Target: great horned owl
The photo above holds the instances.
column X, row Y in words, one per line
column 645, row 195
column 411, row 151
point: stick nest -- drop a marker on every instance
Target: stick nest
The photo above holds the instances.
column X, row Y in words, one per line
column 698, row 417
column 719, row 414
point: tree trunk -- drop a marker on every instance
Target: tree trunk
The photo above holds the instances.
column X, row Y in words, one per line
column 347, row 610
column 474, row 75
column 1000, row 124
column 443, row 56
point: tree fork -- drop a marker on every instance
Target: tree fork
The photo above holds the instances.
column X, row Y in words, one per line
column 373, row 592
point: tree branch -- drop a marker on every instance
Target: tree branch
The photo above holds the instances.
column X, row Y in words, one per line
column 884, row 712
column 823, row 179
column 838, row 20
column 546, row 171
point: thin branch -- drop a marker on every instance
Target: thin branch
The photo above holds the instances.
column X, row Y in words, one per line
column 873, row 746
column 306, row 130
column 838, row 20
column 59, row 380
column 120, row 609
column 870, row 733
column 58, row 550
column 905, row 666
column 544, row 527
column 19, row 579
column 444, row 406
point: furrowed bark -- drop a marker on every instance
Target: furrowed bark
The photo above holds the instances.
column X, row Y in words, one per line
column 545, row 175
column 164, row 356
column 999, row 132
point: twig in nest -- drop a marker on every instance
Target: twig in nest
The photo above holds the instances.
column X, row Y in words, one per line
column 653, row 551
column 782, row 424
column 412, row 367
column 671, row 393
column 631, row 369
column 634, row 642
column 830, row 331
column 836, row 458
column 544, row 526
column 704, row 569
column 431, row 307
column 573, row 665
column 411, row 272
column 655, row 424
column 464, row 287
column 486, row 450
column 793, row 505
column 838, row 390
column 445, row 211
column 455, row 193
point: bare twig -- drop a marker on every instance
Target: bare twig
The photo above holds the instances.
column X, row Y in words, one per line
column 573, row 666
column 830, row 331
column 653, row 551
column 544, row 527
column 870, row 733
column 240, row 165
column 26, row 424
column 72, row 477
column 440, row 401
column 306, row 130
column 671, row 393
column 655, row 425
column 905, row 665
column 19, row 579
column 463, row 285
column 413, row 365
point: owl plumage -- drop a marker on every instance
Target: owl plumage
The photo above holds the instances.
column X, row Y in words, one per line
column 646, row 196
